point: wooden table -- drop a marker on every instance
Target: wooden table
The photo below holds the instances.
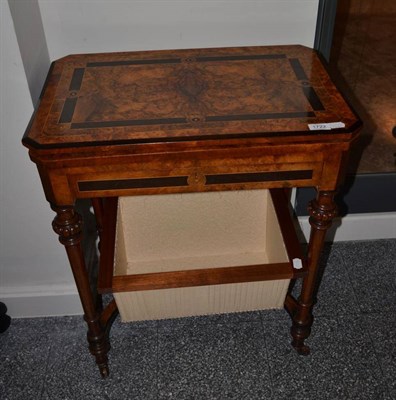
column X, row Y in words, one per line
column 124, row 124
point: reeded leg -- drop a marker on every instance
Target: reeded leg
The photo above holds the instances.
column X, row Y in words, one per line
column 322, row 210
column 68, row 225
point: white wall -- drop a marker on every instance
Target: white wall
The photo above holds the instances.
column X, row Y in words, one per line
column 87, row 26
column 31, row 260
column 32, row 44
column 34, row 275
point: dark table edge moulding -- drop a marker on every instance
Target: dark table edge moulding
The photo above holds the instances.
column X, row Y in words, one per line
column 256, row 135
column 108, row 283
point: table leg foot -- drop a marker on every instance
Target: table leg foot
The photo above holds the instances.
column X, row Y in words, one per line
column 300, row 330
column 299, row 334
column 101, row 359
column 104, row 371
column 301, row 348
column 99, row 347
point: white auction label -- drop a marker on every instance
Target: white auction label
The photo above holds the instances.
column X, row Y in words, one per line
column 326, row 126
column 297, row 263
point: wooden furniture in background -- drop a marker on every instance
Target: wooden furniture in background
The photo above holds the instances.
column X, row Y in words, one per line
column 126, row 124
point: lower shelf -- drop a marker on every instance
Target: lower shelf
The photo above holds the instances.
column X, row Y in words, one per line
column 202, row 284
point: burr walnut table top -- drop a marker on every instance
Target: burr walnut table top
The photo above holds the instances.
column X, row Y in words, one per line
column 187, row 95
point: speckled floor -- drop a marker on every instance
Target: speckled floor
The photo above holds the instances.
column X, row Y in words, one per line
column 242, row 356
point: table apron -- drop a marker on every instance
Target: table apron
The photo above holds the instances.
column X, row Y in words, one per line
column 128, row 182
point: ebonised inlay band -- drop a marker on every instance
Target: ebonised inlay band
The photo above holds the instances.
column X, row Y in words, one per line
column 241, row 58
column 313, row 98
column 133, row 62
column 128, row 122
column 298, row 69
column 76, row 79
column 215, row 118
column 248, row 117
column 253, row 177
column 68, row 110
column 138, row 183
column 179, row 60
column 309, row 91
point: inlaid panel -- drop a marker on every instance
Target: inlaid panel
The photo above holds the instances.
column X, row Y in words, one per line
column 148, row 97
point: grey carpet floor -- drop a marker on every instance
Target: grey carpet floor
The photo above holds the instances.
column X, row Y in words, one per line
column 234, row 356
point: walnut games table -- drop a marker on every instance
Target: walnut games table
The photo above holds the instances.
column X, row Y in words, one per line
column 176, row 121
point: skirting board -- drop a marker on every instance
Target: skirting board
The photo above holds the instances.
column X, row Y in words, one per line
column 357, row 227
column 64, row 300
column 41, row 301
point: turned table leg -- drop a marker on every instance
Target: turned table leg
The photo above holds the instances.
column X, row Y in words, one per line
column 68, row 225
column 322, row 210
